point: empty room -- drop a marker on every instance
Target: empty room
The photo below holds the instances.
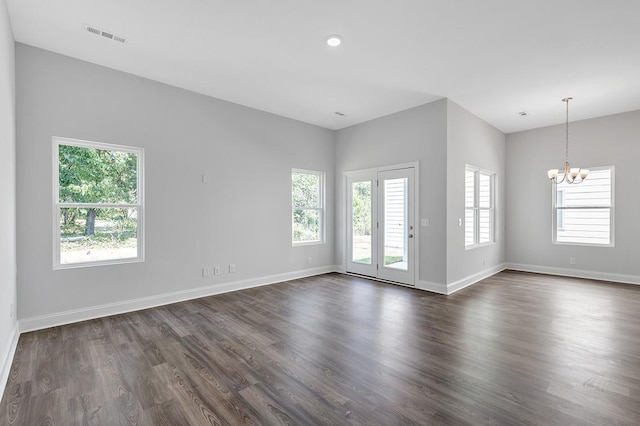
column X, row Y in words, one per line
column 319, row 213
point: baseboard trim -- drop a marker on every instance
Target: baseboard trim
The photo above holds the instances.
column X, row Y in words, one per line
column 7, row 359
column 432, row 287
column 575, row 273
column 472, row 279
column 99, row 311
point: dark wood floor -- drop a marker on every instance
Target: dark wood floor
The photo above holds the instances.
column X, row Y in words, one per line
column 515, row 349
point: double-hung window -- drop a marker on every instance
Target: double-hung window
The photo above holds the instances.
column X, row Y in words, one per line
column 583, row 213
column 98, row 203
column 307, row 207
column 479, row 191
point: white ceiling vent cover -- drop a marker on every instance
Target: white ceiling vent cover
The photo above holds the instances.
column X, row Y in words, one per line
column 105, row 33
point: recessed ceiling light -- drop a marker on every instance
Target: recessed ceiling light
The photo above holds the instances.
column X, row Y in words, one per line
column 522, row 113
column 334, row 40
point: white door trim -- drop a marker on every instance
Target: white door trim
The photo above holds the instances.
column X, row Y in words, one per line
column 416, row 194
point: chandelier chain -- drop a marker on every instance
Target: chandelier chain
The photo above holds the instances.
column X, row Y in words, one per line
column 566, row 130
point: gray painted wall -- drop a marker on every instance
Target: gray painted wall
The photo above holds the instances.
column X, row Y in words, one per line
column 472, row 141
column 417, row 134
column 242, row 216
column 7, row 189
column 604, row 141
column 443, row 137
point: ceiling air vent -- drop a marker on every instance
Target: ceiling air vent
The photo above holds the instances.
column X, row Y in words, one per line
column 105, row 34
column 93, row 30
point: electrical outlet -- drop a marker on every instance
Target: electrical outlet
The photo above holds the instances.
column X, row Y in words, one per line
column 232, row 268
column 205, row 272
column 572, row 261
column 216, row 270
column 459, row 221
column 424, row 222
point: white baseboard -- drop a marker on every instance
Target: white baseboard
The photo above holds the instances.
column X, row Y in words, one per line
column 575, row 273
column 61, row 318
column 432, row 287
column 7, row 359
column 472, row 279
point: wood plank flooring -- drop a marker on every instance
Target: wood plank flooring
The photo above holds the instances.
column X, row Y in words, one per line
column 515, row 349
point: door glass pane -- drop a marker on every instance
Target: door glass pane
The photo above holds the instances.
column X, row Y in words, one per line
column 361, row 222
column 395, row 223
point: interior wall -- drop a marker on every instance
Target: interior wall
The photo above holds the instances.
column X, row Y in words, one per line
column 242, row 216
column 604, row 141
column 8, row 323
column 472, row 141
column 418, row 134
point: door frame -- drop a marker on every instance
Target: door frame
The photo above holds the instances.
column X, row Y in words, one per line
column 416, row 192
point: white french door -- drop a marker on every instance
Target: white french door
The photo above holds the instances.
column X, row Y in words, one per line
column 380, row 224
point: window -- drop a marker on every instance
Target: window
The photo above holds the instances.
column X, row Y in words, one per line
column 307, row 211
column 479, row 196
column 98, row 203
column 583, row 213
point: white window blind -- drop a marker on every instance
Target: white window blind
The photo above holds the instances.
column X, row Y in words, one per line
column 479, row 207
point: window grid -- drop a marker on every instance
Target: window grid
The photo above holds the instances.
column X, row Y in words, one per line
column 86, row 196
column 307, row 207
column 583, row 213
column 479, row 207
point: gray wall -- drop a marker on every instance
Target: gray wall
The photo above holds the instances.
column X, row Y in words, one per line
column 604, row 141
column 443, row 137
column 417, row 134
column 7, row 191
column 242, row 216
column 472, row 141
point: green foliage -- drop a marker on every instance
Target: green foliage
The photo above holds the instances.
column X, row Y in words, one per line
column 96, row 176
column 305, row 199
column 90, row 175
column 361, row 208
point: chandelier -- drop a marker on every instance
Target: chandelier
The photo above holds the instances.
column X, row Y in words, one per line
column 569, row 174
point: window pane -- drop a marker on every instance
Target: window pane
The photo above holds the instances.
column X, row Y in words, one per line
column 578, row 218
column 588, row 226
column 469, row 190
column 484, row 191
column 361, row 222
column 91, row 175
column 469, row 227
column 97, row 234
column 395, row 223
column 306, row 225
column 484, row 230
column 595, row 191
column 305, row 190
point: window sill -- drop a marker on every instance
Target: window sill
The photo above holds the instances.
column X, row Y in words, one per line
column 475, row 246
column 306, row 243
column 562, row 243
column 57, row 267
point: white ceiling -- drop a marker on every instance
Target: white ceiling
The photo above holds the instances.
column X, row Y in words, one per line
column 492, row 57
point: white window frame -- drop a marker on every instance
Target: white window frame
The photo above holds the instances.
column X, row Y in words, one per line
column 555, row 208
column 476, row 207
column 320, row 209
column 57, row 205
